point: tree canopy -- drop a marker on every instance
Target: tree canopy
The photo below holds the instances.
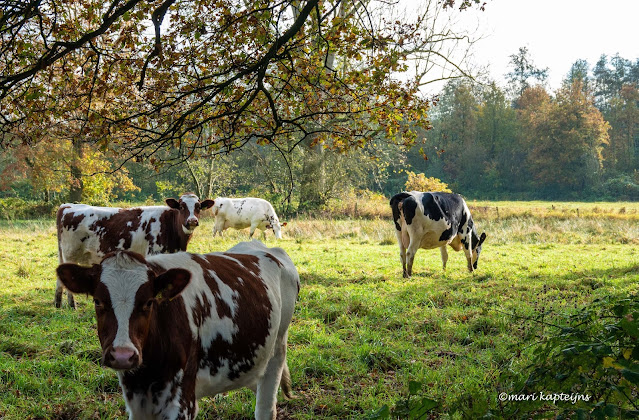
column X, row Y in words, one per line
column 163, row 80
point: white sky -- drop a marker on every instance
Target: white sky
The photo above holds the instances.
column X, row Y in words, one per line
column 556, row 32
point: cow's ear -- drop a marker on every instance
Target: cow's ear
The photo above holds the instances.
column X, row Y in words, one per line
column 171, row 283
column 482, row 238
column 207, row 204
column 79, row 279
column 173, row 203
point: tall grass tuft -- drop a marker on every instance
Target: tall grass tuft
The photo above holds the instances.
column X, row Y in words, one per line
column 24, row 269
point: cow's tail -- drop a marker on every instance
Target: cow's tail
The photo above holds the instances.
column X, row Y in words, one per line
column 395, row 202
column 286, row 384
column 59, row 226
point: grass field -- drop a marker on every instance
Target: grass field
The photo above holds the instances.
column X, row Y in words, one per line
column 361, row 332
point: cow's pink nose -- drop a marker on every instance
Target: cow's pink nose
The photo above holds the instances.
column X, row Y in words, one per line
column 123, row 358
column 193, row 222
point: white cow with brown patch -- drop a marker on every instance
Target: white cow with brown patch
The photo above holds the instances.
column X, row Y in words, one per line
column 177, row 327
column 241, row 213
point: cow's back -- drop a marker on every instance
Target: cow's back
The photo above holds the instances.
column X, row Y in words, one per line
column 240, row 213
column 430, row 218
column 238, row 304
column 450, row 206
column 278, row 268
column 87, row 233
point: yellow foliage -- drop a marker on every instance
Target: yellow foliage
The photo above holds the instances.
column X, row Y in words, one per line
column 419, row 182
column 627, row 353
column 99, row 180
column 608, row 362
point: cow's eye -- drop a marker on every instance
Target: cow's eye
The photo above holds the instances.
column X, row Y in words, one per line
column 148, row 305
column 97, row 303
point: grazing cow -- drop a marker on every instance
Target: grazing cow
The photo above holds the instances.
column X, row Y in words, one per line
column 433, row 220
column 87, row 233
column 240, row 213
column 177, row 327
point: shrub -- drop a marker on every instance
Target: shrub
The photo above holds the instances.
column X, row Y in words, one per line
column 593, row 358
column 419, row 182
column 13, row 208
column 357, row 203
column 622, row 187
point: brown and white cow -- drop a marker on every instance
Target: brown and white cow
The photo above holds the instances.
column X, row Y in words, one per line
column 87, row 233
column 177, row 327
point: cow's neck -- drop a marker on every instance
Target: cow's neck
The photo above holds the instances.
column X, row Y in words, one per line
column 177, row 239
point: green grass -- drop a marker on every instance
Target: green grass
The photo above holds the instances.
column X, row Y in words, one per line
column 360, row 331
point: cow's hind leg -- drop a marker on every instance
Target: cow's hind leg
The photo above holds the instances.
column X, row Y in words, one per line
column 218, row 227
column 444, row 252
column 402, row 252
column 267, row 387
column 410, row 257
column 59, row 288
column 70, row 299
column 285, row 382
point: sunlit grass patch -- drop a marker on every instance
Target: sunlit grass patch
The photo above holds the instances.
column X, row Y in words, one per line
column 360, row 331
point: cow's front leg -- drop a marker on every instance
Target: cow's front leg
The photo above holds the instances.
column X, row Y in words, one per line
column 469, row 259
column 253, row 227
column 444, row 253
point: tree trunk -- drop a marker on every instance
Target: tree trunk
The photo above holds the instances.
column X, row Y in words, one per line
column 313, row 180
column 77, row 186
column 196, row 181
column 210, row 181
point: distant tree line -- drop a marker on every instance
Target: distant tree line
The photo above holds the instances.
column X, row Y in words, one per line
column 522, row 141
column 518, row 141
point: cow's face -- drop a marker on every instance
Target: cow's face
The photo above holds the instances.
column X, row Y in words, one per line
column 126, row 293
column 189, row 206
column 477, row 251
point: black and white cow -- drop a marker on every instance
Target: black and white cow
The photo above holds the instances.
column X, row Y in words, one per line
column 177, row 327
column 434, row 220
column 87, row 233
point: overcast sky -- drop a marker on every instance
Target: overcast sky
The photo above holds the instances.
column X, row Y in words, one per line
column 556, row 32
